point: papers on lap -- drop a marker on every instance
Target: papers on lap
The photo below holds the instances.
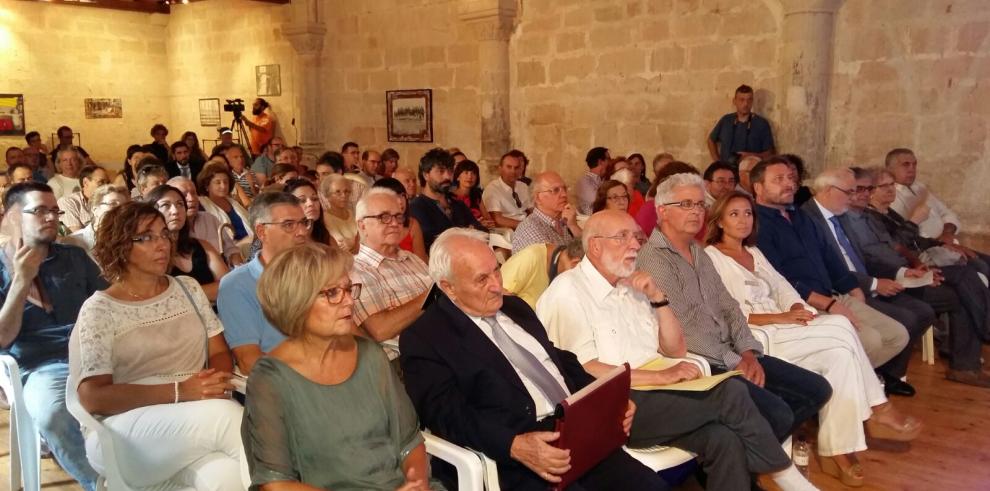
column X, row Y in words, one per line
column 927, row 279
column 700, row 384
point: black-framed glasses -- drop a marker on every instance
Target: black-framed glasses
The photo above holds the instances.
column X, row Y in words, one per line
column 289, row 226
column 865, row 189
column 147, row 238
column 624, row 237
column 688, row 205
column 388, row 218
column 42, row 212
column 847, row 192
column 335, row 295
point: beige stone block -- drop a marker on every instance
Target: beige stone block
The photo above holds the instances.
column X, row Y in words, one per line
column 657, row 29
column 864, row 44
column 530, row 73
column 606, row 37
column 971, row 36
column 973, row 135
column 754, row 20
column 570, row 41
column 578, row 67
column 466, row 76
column 877, row 72
column 356, row 82
column 578, row 137
column 610, row 13
column 709, row 56
column 462, row 53
column 757, row 53
column 427, row 54
column 623, row 63
column 380, row 80
column 396, row 56
column 550, row 113
column 413, row 77
column 928, row 40
column 371, row 60
column 703, row 25
column 662, row 7
column 667, row 58
column 545, row 23
column 441, row 77
column 578, row 17
column 533, row 46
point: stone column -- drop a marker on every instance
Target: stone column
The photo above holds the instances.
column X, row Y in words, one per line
column 806, row 70
column 305, row 31
column 492, row 23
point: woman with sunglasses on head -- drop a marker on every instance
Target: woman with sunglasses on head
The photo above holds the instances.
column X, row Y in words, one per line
column 323, row 368
column 148, row 356
column 190, row 256
column 305, row 191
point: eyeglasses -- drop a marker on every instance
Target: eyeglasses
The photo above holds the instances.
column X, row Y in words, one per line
column 43, row 212
column 688, row 205
column 515, row 197
column 888, row 185
column 723, row 181
column 847, row 192
column 618, row 197
column 289, row 226
column 556, row 190
column 149, row 237
column 623, row 237
column 388, row 218
column 335, row 295
column 165, row 205
column 864, row 189
column 114, row 203
column 341, row 192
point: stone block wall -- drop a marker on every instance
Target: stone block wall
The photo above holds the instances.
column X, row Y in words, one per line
column 58, row 55
column 916, row 74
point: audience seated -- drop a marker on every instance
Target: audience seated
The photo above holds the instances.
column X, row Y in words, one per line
column 103, row 199
column 204, row 225
column 553, row 220
column 36, row 155
column 646, row 218
column 746, row 164
column 390, row 162
column 262, row 166
column 305, row 191
column 607, row 313
column 798, row 249
column 528, row 272
column 128, row 176
column 506, row 198
column 159, row 146
column 611, row 195
column 787, row 395
column 148, row 356
column 65, row 141
column 322, row 369
column 76, row 205
column 659, row 162
column 432, row 208
column 626, row 177
column 835, row 189
column 803, row 193
column 409, row 180
column 824, row 344
column 597, row 160
column 181, row 164
column 720, row 180
column 68, row 163
column 395, row 281
column 214, row 185
column 279, row 223
column 466, row 189
column 43, row 284
column 338, row 216
column 247, row 186
column 368, row 170
column 191, row 257
column 197, row 157
column 638, row 165
column 482, row 374
column 150, row 175
column 413, row 239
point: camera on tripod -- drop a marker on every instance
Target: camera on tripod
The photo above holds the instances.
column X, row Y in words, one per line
column 235, row 106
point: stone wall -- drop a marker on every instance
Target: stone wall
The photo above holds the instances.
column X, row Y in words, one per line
column 916, row 74
column 58, row 55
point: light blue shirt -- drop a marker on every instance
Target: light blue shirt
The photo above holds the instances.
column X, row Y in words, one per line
column 240, row 311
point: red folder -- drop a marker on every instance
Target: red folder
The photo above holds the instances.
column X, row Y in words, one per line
column 590, row 422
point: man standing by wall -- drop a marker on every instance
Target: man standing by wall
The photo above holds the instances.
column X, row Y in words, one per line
column 261, row 125
column 742, row 133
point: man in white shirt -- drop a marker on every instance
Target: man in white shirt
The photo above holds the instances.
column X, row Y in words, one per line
column 76, row 205
column 507, row 198
column 607, row 313
column 66, row 181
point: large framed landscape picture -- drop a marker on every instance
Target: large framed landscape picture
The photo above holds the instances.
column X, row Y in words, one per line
column 12, row 114
column 410, row 115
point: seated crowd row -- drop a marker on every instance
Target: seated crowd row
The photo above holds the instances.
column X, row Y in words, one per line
column 328, row 267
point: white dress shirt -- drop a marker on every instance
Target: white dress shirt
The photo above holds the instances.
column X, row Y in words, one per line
column 845, row 255
column 497, row 196
column 544, row 407
column 586, row 315
column 909, row 197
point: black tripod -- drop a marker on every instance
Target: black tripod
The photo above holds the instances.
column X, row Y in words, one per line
column 237, row 126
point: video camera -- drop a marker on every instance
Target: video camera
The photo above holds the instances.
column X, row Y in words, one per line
column 235, row 106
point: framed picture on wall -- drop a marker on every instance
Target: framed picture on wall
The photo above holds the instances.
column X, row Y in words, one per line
column 103, row 108
column 209, row 112
column 409, row 115
column 268, row 80
column 12, row 114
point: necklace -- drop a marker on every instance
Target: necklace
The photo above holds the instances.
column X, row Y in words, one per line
column 135, row 296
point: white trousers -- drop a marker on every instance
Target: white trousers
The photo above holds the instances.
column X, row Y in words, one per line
column 188, row 445
column 830, row 347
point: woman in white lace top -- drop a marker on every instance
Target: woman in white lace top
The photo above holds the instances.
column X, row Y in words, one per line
column 148, row 356
column 824, row 344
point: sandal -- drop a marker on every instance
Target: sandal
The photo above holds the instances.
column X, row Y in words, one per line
column 851, row 476
column 898, row 432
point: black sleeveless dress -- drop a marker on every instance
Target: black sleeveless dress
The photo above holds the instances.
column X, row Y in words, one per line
column 200, row 266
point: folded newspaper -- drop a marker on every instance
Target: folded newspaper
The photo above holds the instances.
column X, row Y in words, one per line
column 699, row 384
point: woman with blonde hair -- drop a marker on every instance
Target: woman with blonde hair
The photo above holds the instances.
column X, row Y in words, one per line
column 322, row 368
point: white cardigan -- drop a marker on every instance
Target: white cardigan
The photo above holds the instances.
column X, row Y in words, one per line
column 213, row 209
column 737, row 278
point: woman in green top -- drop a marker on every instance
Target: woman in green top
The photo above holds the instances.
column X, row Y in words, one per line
column 324, row 409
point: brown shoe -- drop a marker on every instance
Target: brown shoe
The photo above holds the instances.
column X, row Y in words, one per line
column 969, row 377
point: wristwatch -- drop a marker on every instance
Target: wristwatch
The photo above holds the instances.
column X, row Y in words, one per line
column 662, row 303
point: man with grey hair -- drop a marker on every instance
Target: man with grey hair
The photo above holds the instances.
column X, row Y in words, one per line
column 553, row 220
column 395, row 281
column 69, row 164
column 204, row 226
column 607, row 314
column 279, row 224
column 746, row 164
column 716, row 328
column 481, row 372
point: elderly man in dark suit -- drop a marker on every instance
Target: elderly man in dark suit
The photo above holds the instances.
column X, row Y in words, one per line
column 462, row 369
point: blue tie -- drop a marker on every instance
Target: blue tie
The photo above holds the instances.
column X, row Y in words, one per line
column 847, row 246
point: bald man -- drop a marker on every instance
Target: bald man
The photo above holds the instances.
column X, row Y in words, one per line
column 554, row 219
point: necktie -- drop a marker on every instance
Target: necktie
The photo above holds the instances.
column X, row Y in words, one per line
column 847, row 246
column 526, row 363
column 185, row 172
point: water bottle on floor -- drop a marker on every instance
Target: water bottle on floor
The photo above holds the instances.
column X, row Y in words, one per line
column 801, row 454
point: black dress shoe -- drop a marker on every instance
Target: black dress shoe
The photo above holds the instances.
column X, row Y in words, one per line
column 897, row 387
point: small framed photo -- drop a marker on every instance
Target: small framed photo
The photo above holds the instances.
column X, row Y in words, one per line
column 410, row 115
column 209, row 112
column 12, row 114
column 103, row 108
column 268, row 80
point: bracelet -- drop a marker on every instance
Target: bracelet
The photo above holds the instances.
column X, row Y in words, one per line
column 662, row 303
column 176, row 386
column 830, row 304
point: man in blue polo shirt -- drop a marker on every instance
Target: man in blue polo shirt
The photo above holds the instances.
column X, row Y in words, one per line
column 279, row 223
column 43, row 284
column 742, row 133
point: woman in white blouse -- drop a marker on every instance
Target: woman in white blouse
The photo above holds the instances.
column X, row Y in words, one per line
column 825, row 344
column 148, row 356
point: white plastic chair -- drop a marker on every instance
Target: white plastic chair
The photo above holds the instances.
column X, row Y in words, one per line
column 471, row 469
column 25, row 442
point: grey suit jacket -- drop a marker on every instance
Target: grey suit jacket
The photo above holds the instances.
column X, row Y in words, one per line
column 811, row 209
column 876, row 249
